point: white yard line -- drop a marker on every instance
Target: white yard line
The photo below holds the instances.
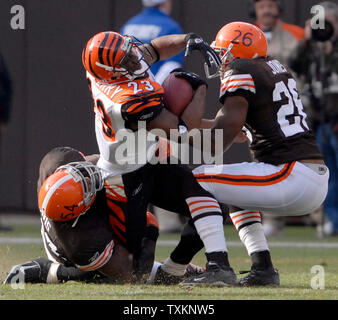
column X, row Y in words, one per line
column 277, row 244
column 165, row 243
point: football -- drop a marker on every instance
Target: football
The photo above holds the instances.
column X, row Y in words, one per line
column 177, row 94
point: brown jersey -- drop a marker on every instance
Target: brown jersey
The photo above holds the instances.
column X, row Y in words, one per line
column 276, row 117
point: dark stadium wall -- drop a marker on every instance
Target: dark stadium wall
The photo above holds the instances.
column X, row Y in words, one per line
column 51, row 103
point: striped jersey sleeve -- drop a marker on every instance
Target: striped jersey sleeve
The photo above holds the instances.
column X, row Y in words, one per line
column 99, row 259
column 237, row 83
column 143, row 106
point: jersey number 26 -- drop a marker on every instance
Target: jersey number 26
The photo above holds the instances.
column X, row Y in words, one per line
column 290, row 116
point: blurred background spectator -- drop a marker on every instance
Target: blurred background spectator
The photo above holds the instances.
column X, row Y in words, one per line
column 282, row 39
column 152, row 22
column 316, row 59
column 5, row 106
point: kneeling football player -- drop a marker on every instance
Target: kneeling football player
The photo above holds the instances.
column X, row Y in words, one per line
column 82, row 234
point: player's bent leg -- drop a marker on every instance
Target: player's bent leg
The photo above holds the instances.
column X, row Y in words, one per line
column 208, row 220
column 177, row 267
column 249, row 226
column 204, row 210
column 43, row 270
column 218, row 271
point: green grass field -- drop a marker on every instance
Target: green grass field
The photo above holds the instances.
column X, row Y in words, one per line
column 293, row 260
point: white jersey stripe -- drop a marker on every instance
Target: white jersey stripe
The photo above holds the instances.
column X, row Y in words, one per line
column 237, row 76
column 233, row 89
column 237, row 83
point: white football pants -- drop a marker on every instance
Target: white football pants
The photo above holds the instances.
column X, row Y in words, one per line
column 289, row 189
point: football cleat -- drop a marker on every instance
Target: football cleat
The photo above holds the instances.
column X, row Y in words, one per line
column 214, row 276
column 193, row 270
column 165, row 278
column 256, row 277
column 35, row 271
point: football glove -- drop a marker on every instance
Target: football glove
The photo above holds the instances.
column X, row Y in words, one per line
column 195, row 42
column 194, row 79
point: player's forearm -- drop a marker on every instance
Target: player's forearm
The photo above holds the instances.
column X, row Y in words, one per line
column 193, row 114
column 207, row 123
column 210, row 142
column 169, row 46
column 210, row 138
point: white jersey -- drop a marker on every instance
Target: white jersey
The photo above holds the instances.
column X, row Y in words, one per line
column 120, row 109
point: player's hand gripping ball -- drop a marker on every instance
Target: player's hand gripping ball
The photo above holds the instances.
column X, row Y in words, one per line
column 178, row 93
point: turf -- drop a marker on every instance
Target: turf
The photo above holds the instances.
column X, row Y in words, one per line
column 294, row 265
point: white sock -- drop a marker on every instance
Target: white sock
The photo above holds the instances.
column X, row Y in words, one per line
column 208, row 220
column 211, row 232
column 253, row 238
column 249, row 224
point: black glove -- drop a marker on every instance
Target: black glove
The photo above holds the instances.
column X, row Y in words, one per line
column 194, row 79
column 195, row 42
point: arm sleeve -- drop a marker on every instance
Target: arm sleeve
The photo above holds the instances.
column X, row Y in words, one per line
column 142, row 107
column 98, row 260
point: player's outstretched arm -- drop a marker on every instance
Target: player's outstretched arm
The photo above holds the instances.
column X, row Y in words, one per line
column 165, row 47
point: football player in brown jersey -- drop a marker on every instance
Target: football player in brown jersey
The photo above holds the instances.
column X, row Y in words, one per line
column 84, row 233
column 289, row 176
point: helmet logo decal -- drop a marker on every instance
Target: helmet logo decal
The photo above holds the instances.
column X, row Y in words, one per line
column 67, row 216
column 71, row 208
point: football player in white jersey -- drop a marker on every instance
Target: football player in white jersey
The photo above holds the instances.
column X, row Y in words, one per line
column 128, row 101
